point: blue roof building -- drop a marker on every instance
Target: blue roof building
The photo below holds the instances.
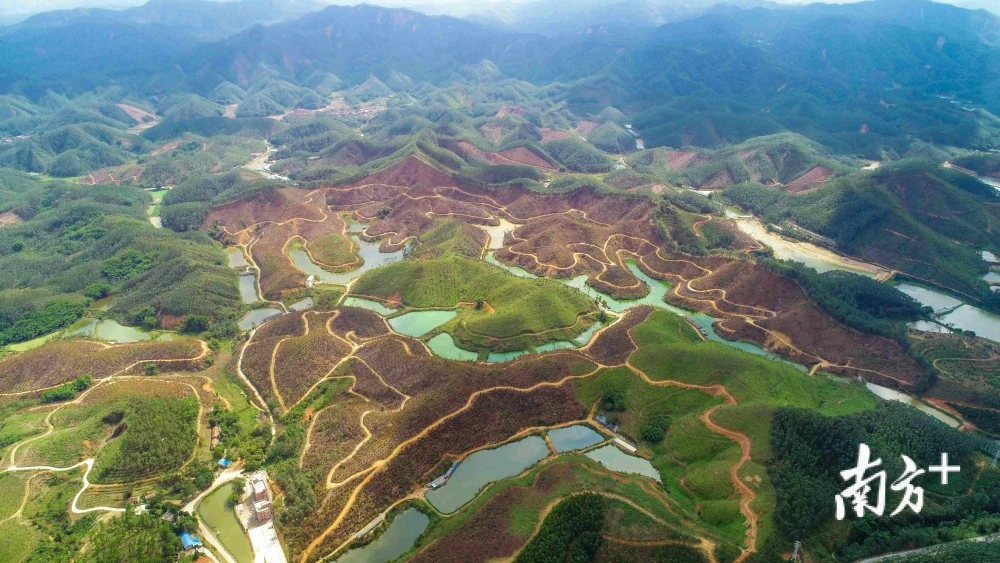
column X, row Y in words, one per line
column 224, row 463
column 189, row 541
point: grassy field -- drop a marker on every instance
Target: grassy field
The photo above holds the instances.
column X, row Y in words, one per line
column 525, row 311
column 16, row 541
column 333, row 249
column 694, row 461
column 11, row 493
column 17, row 426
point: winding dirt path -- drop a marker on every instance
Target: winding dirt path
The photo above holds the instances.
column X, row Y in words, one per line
column 746, row 493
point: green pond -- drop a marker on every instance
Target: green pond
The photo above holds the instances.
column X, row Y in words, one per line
column 419, row 323
column 111, row 331
column 302, row 305
column 574, row 438
column 257, row 317
column 444, row 345
column 893, row 395
column 221, row 519
column 370, row 305
column 501, row 357
column 368, row 251
column 616, row 460
column 402, row 533
column 484, row 467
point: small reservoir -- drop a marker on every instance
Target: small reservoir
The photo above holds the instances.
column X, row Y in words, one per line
column 616, row 460
column 574, row 438
column 484, row 467
column 257, row 317
column 419, row 323
column 398, row 538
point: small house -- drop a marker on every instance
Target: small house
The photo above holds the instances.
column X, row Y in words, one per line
column 259, row 490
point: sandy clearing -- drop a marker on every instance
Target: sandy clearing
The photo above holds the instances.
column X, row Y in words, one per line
column 810, row 254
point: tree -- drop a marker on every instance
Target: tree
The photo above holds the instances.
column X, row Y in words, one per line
column 654, row 430
column 97, row 291
column 145, row 317
column 236, row 494
column 194, row 324
column 613, row 401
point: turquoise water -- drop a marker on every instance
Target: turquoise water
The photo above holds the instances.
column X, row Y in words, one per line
column 501, row 357
column 370, row 305
column 419, row 323
column 368, row 251
column 552, row 346
column 616, row 460
column 257, row 317
column 444, row 345
column 248, row 289
column 485, row 467
column 398, row 538
column 584, row 338
column 574, row 438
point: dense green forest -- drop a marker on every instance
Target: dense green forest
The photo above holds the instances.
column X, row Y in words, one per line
column 809, row 451
column 571, row 532
column 73, row 239
column 856, row 300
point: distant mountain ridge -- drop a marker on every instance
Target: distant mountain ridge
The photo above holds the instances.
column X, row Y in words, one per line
column 203, row 20
column 835, row 73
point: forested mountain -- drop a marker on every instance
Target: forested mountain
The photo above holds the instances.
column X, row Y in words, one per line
column 864, row 78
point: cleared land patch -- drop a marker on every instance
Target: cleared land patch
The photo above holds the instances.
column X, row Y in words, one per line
column 62, row 361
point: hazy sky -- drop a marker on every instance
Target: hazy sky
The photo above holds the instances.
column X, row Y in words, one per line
column 10, row 7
